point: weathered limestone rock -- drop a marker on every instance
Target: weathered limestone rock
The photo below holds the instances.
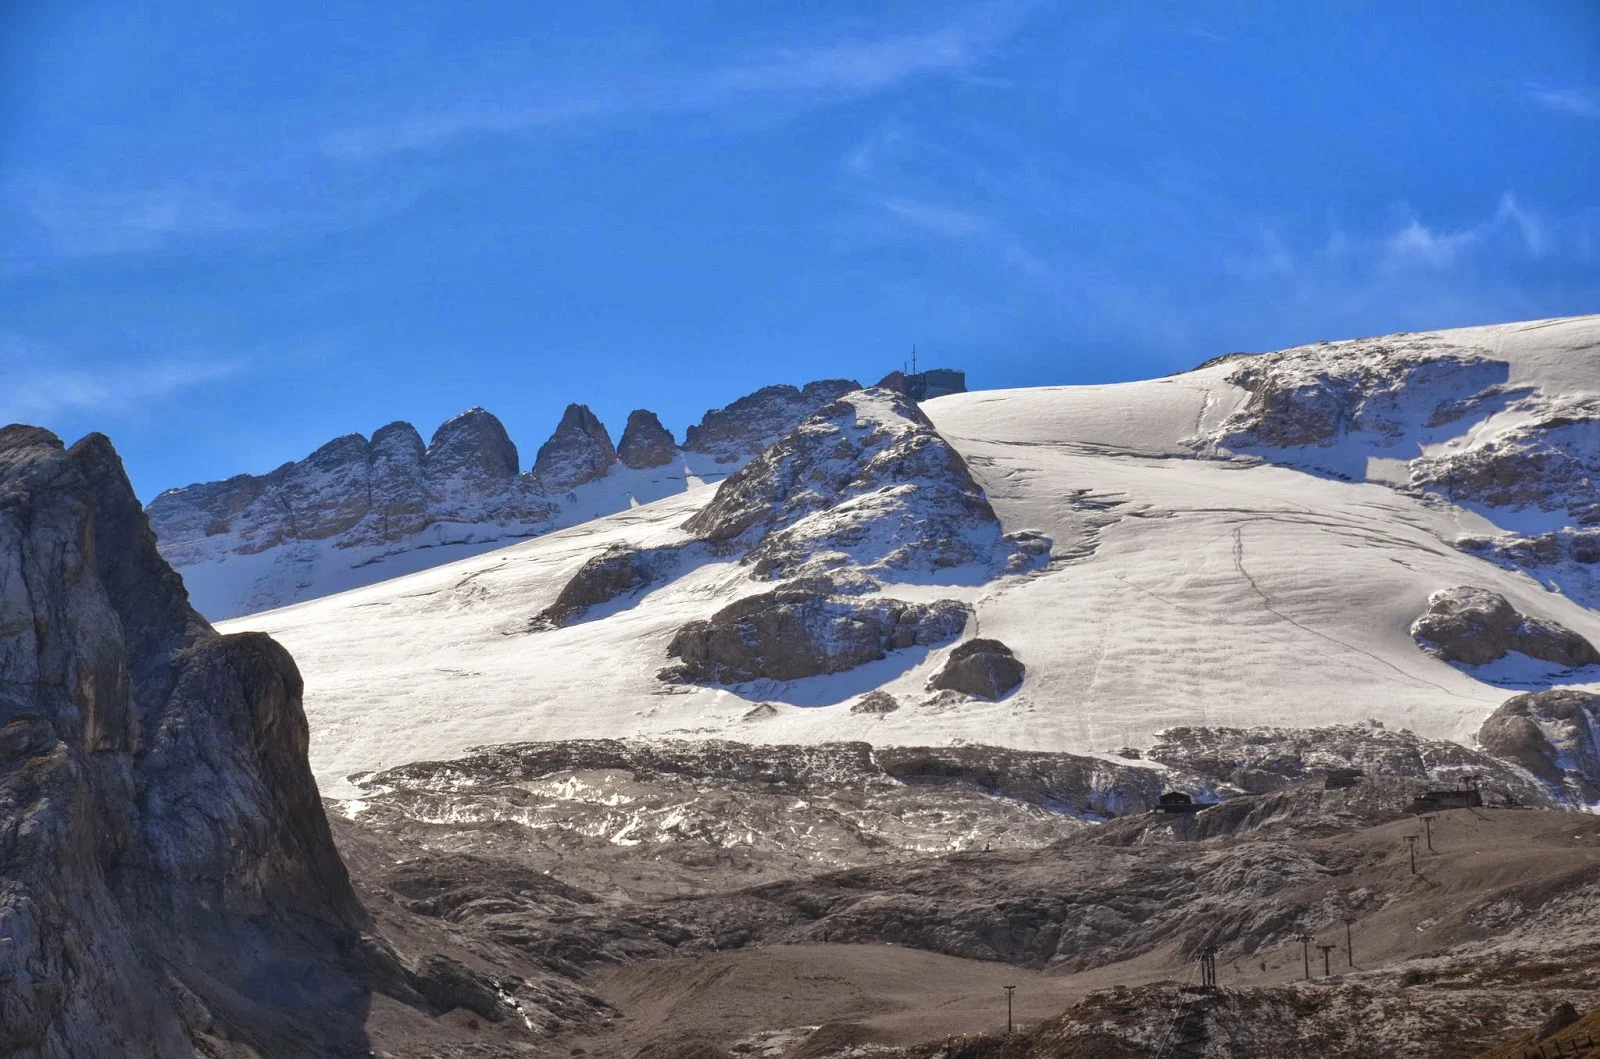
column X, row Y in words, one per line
column 645, row 442
column 984, row 669
column 1554, row 734
column 615, row 572
column 579, row 451
column 1474, row 626
column 875, row 702
column 803, row 630
column 163, row 849
column 755, row 421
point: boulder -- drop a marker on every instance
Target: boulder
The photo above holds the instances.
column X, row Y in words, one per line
column 645, row 442
column 804, row 630
column 1475, row 626
column 579, row 451
column 984, row 669
column 615, row 572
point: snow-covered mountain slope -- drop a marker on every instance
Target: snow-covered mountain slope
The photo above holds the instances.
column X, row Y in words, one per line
column 1202, row 572
column 361, row 510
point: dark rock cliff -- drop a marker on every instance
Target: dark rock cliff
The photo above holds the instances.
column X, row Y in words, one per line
column 168, row 882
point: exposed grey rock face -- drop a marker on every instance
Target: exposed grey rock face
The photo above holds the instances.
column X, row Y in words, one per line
column 163, row 850
column 1554, row 734
column 354, row 492
column 866, row 483
column 375, row 498
column 1550, row 462
column 469, row 455
column 896, row 381
column 397, row 484
column 1262, row 759
column 803, row 630
column 984, row 669
column 1474, row 626
column 645, row 442
column 1310, row 395
column 750, row 424
column 579, row 451
column 1566, row 559
column 1563, row 545
column 614, row 573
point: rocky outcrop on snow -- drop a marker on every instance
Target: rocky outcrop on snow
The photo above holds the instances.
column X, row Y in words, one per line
column 163, row 850
column 616, row 572
column 579, row 451
column 805, row 629
column 1547, row 457
column 1312, row 395
column 1566, row 560
column 865, row 483
column 1474, row 626
column 983, row 669
column 1554, row 734
column 753, row 422
column 645, row 442
column 1438, row 413
column 876, row 703
column 1565, row 545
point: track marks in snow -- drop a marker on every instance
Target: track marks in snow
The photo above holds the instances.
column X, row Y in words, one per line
column 1238, row 564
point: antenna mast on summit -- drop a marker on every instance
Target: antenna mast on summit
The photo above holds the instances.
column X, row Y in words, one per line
column 913, row 358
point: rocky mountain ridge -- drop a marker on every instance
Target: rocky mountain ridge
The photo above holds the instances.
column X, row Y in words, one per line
column 337, row 518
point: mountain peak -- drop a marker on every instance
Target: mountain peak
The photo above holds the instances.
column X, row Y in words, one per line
column 578, row 451
column 645, row 442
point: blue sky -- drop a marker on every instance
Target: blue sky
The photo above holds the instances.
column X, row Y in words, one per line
column 231, row 232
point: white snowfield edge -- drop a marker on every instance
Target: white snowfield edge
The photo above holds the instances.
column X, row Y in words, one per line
column 1219, row 592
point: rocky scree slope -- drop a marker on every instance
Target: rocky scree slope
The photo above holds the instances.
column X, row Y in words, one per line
column 764, row 812
column 168, row 882
column 597, row 854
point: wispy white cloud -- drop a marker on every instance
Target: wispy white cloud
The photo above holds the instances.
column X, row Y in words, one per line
column 1578, row 102
column 78, row 222
column 818, row 75
column 947, row 221
column 1417, row 244
column 40, row 396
